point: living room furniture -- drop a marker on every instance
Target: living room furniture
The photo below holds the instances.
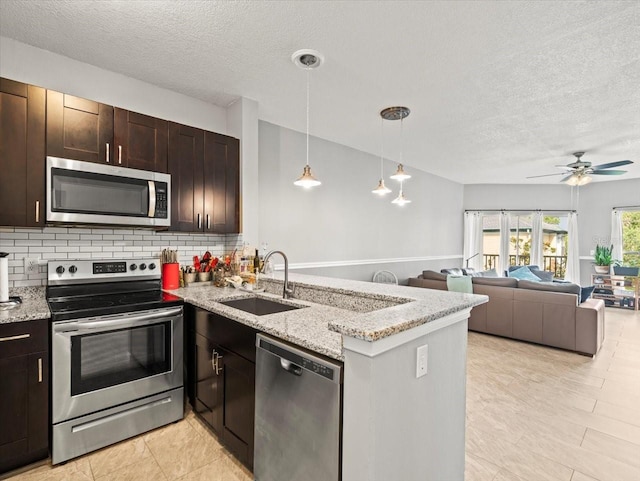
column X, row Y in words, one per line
column 616, row 290
column 542, row 313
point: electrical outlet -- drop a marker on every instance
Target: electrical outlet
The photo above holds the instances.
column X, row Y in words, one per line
column 421, row 360
column 592, row 252
column 31, row 265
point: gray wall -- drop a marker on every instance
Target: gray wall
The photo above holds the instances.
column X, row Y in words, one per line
column 593, row 204
column 340, row 227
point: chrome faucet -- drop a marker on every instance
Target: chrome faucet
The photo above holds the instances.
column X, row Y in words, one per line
column 286, row 292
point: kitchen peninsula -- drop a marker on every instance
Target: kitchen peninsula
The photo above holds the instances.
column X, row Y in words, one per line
column 395, row 425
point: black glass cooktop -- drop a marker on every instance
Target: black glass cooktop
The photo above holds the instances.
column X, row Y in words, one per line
column 76, row 302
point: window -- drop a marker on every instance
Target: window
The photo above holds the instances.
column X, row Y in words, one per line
column 631, row 238
column 554, row 239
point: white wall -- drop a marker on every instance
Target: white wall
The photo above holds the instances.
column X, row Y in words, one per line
column 593, row 204
column 340, row 227
column 24, row 63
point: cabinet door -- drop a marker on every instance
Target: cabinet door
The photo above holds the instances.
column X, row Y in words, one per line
column 79, row 129
column 239, row 405
column 14, row 406
column 221, row 183
column 208, row 384
column 22, row 158
column 141, row 141
column 186, row 155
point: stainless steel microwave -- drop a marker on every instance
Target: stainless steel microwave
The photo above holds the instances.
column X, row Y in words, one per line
column 87, row 193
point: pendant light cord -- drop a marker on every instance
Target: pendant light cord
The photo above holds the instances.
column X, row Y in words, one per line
column 308, row 74
column 401, row 140
column 381, row 146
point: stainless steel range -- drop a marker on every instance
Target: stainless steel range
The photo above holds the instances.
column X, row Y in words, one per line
column 116, row 353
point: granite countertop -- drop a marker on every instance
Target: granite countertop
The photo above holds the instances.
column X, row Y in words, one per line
column 34, row 305
column 335, row 307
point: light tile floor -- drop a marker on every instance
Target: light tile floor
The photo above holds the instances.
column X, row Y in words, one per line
column 533, row 414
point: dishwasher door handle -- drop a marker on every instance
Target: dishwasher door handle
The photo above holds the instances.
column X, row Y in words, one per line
column 290, row 367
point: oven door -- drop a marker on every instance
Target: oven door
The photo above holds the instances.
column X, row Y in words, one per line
column 101, row 362
column 87, row 193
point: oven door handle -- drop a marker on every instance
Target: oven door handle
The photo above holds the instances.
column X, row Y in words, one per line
column 114, row 322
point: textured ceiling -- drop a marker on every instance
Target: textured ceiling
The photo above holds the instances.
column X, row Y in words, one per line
column 498, row 90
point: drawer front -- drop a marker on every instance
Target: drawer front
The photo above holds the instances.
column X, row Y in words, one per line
column 20, row 338
column 227, row 333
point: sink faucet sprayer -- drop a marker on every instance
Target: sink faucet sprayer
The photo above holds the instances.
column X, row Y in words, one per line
column 286, row 292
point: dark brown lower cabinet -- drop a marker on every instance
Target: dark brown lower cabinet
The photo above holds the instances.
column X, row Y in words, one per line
column 222, row 379
column 24, row 393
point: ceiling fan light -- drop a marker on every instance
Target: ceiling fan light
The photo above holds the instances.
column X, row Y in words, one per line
column 307, row 179
column 400, row 174
column 573, row 180
column 584, row 180
column 381, row 189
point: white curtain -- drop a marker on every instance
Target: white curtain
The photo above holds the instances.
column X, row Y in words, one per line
column 572, row 273
column 616, row 234
column 505, row 234
column 537, row 245
column 473, row 240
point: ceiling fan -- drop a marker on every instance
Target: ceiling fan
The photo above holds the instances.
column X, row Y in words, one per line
column 579, row 172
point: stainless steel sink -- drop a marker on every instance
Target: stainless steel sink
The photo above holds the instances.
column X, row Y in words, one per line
column 259, row 306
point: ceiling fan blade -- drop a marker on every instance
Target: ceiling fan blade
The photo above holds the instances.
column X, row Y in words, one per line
column 612, row 164
column 608, row 172
column 564, row 179
column 545, row 175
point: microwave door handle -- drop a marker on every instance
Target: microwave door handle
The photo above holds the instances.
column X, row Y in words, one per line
column 152, row 199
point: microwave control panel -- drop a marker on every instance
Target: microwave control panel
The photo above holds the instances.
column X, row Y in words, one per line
column 161, row 200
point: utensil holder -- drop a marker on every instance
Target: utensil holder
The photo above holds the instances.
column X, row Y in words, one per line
column 171, row 275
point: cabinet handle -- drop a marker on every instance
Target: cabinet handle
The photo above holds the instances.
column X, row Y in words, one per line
column 213, row 361
column 15, row 338
column 120, row 154
column 218, row 368
column 199, row 222
column 107, row 155
column 37, row 211
column 208, row 223
column 39, row 369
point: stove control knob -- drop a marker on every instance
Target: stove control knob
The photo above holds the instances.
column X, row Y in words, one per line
column 60, row 270
column 143, row 267
column 133, row 267
column 73, row 269
column 152, row 266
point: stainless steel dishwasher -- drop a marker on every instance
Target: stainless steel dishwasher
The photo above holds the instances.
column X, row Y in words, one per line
column 298, row 414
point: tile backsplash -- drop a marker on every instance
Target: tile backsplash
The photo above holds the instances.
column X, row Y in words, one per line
column 87, row 243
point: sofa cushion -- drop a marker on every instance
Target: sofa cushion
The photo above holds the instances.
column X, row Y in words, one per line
column 496, row 281
column 585, row 293
column 489, row 273
column 550, row 286
column 546, row 276
column 456, row 271
column 524, row 274
column 433, row 275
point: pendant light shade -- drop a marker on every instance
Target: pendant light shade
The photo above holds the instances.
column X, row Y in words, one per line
column 401, row 200
column 381, row 189
column 307, row 179
column 400, row 174
column 307, row 59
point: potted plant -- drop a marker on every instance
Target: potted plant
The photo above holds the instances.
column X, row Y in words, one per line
column 602, row 259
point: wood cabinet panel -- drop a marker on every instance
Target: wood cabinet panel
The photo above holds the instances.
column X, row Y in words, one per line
column 222, row 183
column 24, row 397
column 208, row 385
column 79, row 129
column 141, row 141
column 185, row 162
column 22, row 158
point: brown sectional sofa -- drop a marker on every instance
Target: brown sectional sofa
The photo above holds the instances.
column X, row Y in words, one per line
column 519, row 310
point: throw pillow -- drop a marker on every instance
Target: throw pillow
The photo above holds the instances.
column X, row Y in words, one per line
column 524, row 274
column 489, row 273
column 545, row 276
column 585, row 293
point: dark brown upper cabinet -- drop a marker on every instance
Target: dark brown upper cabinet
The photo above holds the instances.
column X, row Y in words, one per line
column 22, row 147
column 140, row 140
column 205, row 178
column 82, row 129
column 79, row 129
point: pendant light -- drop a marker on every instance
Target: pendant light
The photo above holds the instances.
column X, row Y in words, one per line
column 398, row 113
column 307, row 59
column 401, row 200
column 381, row 189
